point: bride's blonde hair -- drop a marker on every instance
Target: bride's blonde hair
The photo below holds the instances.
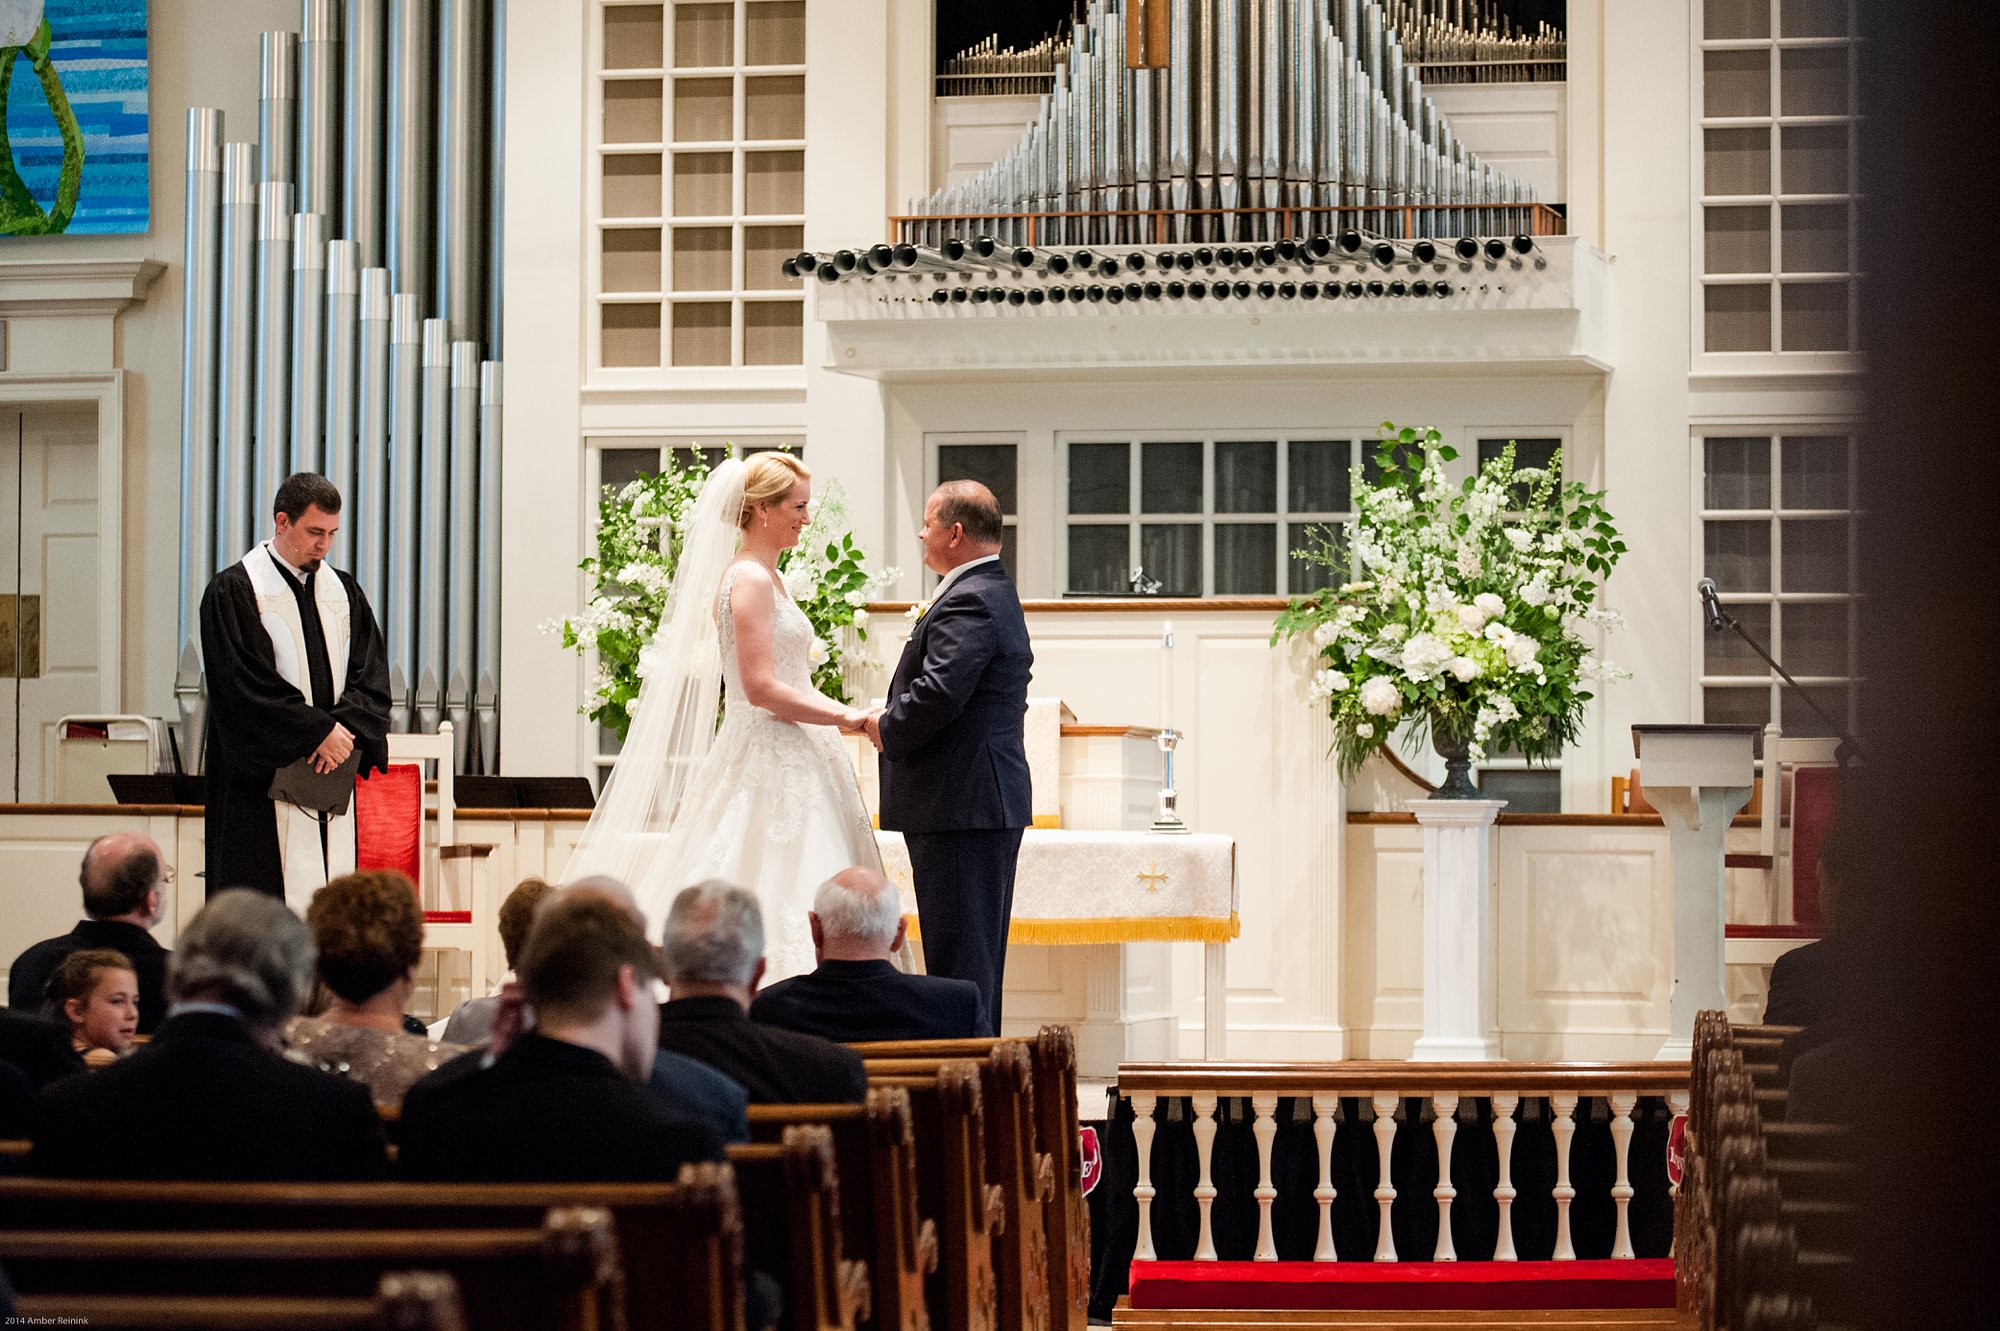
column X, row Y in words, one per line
column 767, row 479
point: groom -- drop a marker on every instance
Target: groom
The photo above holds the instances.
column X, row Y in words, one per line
column 954, row 772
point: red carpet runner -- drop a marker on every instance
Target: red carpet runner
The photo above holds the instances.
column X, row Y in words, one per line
column 1404, row 1286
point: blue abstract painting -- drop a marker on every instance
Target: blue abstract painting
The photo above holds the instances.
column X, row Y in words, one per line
column 72, row 117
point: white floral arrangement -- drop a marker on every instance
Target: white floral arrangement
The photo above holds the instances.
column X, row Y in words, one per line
column 1464, row 609
column 638, row 544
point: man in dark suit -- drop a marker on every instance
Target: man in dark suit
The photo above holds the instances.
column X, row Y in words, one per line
column 210, row 1097
column 124, row 896
column 714, row 948
column 1809, row 983
column 857, row 993
column 565, row 1101
column 954, row 770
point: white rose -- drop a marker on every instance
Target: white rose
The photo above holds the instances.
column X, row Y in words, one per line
column 1521, row 652
column 818, row 652
column 860, row 618
column 1381, row 697
column 1472, row 618
column 1464, row 669
column 19, row 21
column 1363, row 729
column 1489, row 604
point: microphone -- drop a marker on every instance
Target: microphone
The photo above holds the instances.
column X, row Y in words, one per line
column 1706, row 588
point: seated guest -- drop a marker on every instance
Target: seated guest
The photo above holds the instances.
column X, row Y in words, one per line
column 370, row 935
column 210, row 1097
column 1808, row 983
column 36, row 1047
column 471, row 1022
column 124, row 895
column 564, row 1101
column 857, row 993
column 715, row 956
column 96, row 992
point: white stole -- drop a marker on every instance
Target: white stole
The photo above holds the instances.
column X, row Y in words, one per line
column 305, row 869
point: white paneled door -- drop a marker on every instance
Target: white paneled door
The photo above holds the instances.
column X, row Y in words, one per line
column 48, row 587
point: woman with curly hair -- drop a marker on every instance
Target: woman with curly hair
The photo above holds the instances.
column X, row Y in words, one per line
column 370, row 934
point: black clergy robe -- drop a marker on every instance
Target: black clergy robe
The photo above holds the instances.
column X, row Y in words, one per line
column 259, row 720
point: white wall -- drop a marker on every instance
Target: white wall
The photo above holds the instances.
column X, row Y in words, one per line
column 202, row 54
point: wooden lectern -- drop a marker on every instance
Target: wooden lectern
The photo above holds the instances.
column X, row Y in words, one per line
column 1699, row 777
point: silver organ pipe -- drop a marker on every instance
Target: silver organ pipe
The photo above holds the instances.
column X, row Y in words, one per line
column 198, row 350
column 236, row 355
column 323, row 304
column 308, row 339
column 1273, row 117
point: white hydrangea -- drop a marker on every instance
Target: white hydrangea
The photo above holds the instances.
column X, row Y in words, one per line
column 1536, row 592
column 1326, row 683
column 1324, row 635
column 1363, row 729
column 1381, row 697
column 799, row 583
column 1520, row 538
column 1424, row 655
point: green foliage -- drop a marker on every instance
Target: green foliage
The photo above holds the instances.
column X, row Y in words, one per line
column 1462, row 606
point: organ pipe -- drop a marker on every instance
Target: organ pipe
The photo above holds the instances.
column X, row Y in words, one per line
column 332, row 325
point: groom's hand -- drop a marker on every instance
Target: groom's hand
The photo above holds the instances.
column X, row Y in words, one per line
column 872, row 728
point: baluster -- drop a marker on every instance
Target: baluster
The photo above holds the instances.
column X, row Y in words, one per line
column 1385, row 1191
column 1677, row 1104
column 1444, row 1130
column 1622, row 1105
column 1265, row 1107
column 1204, row 1188
column 1565, row 1128
column 1503, row 1193
column 1142, row 1192
column 1323, row 1130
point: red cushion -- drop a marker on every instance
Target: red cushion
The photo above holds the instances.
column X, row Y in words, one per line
column 1642, row 1283
column 1815, row 804
column 389, row 820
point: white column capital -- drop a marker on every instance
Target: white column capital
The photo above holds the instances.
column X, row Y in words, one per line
column 1456, row 813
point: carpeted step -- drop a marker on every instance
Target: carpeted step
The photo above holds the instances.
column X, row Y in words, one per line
column 1643, row 1283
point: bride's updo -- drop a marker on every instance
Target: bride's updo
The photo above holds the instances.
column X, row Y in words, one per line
column 767, row 479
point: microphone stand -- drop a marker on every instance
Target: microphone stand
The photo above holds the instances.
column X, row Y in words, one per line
column 1849, row 748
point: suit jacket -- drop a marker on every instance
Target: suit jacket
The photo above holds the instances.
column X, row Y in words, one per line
column 872, row 1000
column 39, row 1048
column 774, row 1066
column 690, row 1087
column 544, row 1111
column 952, row 754
column 204, row 1100
column 30, row 974
column 1808, row 984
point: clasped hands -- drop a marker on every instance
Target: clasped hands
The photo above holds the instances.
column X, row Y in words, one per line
column 333, row 750
column 869, row 723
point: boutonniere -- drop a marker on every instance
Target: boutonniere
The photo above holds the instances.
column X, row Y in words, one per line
column 916, row 612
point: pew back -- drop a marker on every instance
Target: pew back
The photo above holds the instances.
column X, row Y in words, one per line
column 404, row 1300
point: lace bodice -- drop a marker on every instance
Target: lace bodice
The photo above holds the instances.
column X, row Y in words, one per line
column 791, row 650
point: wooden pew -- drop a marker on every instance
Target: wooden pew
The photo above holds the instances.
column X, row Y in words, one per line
column 875, row 1155
column 1024, row 1176
column 1066, row 1216
column 948, row 1122
column 404, row 1300
column 564, row 1275
column 791, row 1201
column 685, row 1239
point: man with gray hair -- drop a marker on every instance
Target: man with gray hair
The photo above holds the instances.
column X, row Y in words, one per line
column 857, row 993
column 714, row 947
column 210, row 1097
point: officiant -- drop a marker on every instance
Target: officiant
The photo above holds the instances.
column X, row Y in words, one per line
column 298, row 704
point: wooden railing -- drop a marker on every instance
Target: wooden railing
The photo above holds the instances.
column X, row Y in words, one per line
column 1377, row 1091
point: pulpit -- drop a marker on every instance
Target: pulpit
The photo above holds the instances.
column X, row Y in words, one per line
column 1699, row 777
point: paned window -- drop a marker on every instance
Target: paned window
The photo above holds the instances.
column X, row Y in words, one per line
column 995, row 466
column 1777, row 162
column 1778, row 537
column 700, row 143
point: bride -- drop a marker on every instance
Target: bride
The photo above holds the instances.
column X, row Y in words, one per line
column 768, row 800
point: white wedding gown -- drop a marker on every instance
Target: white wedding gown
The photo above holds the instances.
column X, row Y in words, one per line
column 774, row 807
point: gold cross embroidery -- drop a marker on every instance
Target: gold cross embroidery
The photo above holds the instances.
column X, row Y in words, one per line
column 1152, row 878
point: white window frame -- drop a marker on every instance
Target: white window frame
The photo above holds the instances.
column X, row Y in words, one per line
column 1775, row 515
column 1775, row 360
column 1030, row 563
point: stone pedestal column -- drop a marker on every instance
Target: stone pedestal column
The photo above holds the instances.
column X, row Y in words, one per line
column 1458, row 931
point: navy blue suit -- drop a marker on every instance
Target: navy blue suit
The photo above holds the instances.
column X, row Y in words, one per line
column 855, row 1001
column 954, row 773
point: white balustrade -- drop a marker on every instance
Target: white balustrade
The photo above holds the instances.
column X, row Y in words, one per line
column 1374, row 1093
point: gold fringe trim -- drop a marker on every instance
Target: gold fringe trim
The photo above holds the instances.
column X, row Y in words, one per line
column 1044, row 821
column 1116, row 929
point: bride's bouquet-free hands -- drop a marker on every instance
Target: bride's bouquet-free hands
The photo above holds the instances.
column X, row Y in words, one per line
column 866, row 722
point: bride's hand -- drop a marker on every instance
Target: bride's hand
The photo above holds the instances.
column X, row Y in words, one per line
column 853, row 721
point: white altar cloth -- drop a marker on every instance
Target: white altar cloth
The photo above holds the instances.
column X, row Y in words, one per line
column 1077, row 887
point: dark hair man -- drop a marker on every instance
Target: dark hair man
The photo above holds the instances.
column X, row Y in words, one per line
column 124, row 896
column 298, row 687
